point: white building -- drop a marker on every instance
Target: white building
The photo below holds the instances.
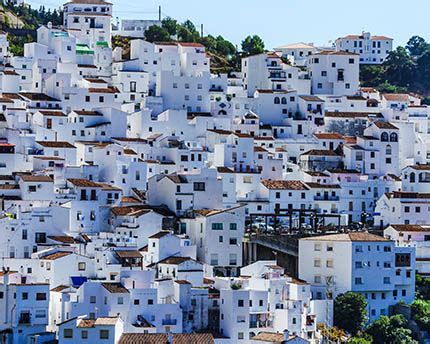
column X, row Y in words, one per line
column 372, row 49
column 360, row 262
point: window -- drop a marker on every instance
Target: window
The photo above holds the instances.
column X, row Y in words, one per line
column 233, row 226
column 81, row 266
column 358, row 280
column 240, row 303
column 25, row 296
column 84, row 334
column 68, row 333
column 41, row 296
column 317, row 246
column 317, row 263
column 93, row 299
column 217, row 226
column 104, row 334
column 199, row 186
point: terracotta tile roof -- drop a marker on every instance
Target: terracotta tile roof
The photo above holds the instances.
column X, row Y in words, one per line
column 385, row 125
column 36, row 179
column 63, row 239
column 223, row 169
column 128, row 254
column 323, row 186
column 110, row 90
column 88, row 113
column 410, row 228
column 322, row 152
column 329, row 136
column 182, row 282
column 159, row 235
column 312, row 99
column 84, row 183
column 355, row 236
column 336, row 114
column 86, row 323
column 193, row 338
column 409, row 195
column 396, row 97
column 332, row 52
column 51, row 113
column 260, row 149
column 106, row 321
column 137, row 210
column 37, row 97
column 143, row 338
column 59, row 288
column 55, row 144
column 173, row 260
column 284, row 185
column 115, row 288
column 269, row 337
column 420, row 167
column 56, row 255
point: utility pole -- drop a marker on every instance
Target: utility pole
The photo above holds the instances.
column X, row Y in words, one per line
column 159, row 13
column 201, row 31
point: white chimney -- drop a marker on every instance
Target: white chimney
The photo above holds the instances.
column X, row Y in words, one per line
column 286, row 335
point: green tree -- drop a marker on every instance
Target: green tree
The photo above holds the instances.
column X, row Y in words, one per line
column 420, row 311
column 416, row 46
column 390, row 330
column 171, row 25
column 189, row 25
column 422, row 286
column 399, row 68
column 224, row 47
column 156, row 34
column 371, row 75
column 350, row 312
column 360, row 340
column 252, row 45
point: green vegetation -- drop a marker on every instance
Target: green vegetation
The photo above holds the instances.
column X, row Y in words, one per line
column 407, row 69
column 224, row 54
column 390, row 330
column 420, row 310
column 350, row 312
column 32, row 18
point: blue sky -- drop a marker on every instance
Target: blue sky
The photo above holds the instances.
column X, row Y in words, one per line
column 286, row 21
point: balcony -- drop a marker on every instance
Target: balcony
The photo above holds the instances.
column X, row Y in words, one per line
column 24, row 319
column 326, row 198
column 169, row 322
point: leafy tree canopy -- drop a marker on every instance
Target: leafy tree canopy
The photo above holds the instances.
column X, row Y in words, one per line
column 350, row 312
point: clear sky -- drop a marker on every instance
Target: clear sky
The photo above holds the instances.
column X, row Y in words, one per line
column 281, row 22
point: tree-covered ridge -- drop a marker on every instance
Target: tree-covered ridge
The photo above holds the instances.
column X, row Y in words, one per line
column 407, row 69
column 32, row 18
column 225, row 55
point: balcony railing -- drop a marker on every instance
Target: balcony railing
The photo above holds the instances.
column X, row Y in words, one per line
column 169, row 322
column 326, row 198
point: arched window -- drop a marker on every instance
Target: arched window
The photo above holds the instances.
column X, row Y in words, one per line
column 412, row 177
column 384, row 137
column 394, row 137
column 277, row 100
column 284, row 100
column 388, row 150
